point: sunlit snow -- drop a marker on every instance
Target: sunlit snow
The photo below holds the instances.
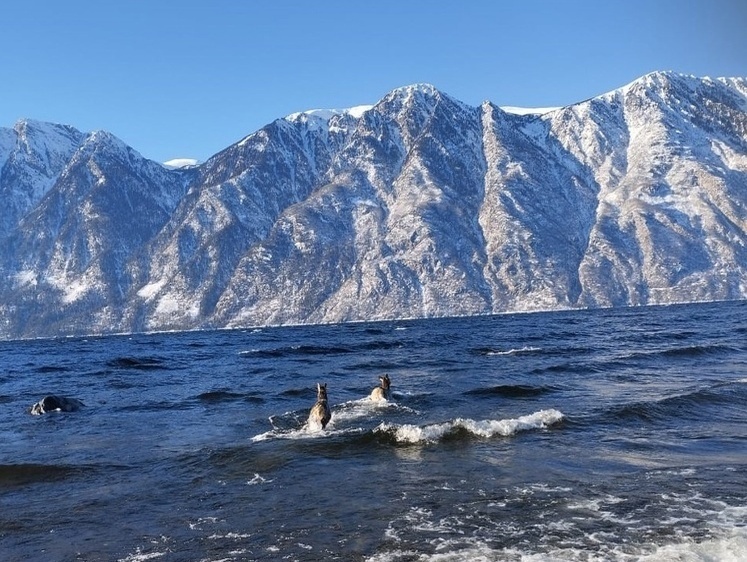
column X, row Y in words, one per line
column 425, row 207
column 177, row 163
column 327, row 114
column 528, row 110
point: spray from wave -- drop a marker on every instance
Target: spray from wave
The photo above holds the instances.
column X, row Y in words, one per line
column 431, row 433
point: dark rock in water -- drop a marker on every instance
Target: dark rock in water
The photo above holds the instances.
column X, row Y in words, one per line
column 56, row 404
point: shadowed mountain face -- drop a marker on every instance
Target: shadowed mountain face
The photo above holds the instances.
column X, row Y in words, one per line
column 420, row 206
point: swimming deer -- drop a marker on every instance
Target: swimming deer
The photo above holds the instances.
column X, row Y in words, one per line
column 382, row 391
column 320, row 413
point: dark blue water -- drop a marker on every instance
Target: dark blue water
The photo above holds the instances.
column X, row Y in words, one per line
column 592, row 435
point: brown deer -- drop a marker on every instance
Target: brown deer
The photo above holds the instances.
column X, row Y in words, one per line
column 320, row 413
column 382, row 391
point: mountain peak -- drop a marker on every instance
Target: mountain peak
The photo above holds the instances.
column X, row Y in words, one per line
column 110, row 143
column 417, row 88
column 425, row 206
column 660, row 79
column 414, row 93
column 26, row 123
column 24, row 127
column 44, row 145
column 325, row 115
column 419, row 97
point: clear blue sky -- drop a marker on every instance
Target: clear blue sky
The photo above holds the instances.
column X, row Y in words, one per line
column 188, row 78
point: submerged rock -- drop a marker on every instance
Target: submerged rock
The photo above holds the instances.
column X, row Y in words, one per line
column 56, row 404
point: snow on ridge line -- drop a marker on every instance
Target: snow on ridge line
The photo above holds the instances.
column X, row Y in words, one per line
column 358, row 110
column 327, row 114
column 528, row 110
column 420, row 87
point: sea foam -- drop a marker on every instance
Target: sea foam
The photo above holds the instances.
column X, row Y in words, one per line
column 430, row 433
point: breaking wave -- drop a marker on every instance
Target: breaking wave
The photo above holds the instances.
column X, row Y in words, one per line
column 293, row 425
column 729, row 548
column 617, row 529
column 432, row 433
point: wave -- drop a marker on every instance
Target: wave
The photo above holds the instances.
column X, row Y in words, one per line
column 362, row 408
column 698, row 404
column 684, row 352
column 573, row 524
column 293, row 425
column 219, row 396
column 22, row 474
column 511, row 391
column 296, row 392
column 696, row 350
column 431, row 433
column 295, row 350
column 306, row 431
column 157, row 406
column 52, row 369
column 489, row 351
column 730, row 546
column 137, row 363
column 313, row 350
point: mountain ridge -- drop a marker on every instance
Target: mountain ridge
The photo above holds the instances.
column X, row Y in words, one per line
column 417, row 206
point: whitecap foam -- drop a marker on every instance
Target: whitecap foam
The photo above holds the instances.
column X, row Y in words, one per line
column 723, row 539
column 307, row 431
column 139, row 556
column 525, row 349
column 257, row 479
column 726, row 549
column 407, row 433
column 363, row 408
column 230, row 535
column 731, row 548
column 304, row 432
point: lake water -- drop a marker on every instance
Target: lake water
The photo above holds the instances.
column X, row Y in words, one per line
column 579, row 436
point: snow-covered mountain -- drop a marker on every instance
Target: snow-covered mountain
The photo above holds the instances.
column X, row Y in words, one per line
column 417, row 206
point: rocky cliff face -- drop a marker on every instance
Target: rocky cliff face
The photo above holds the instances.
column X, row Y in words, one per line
column 420, row 206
